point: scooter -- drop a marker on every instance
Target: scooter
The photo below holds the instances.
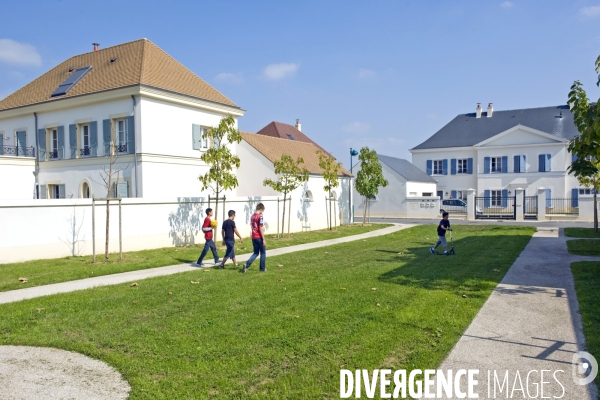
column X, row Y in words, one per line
column 451, row 252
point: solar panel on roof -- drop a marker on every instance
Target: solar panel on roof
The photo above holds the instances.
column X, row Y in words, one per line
column 291, row 137
column 75, row 77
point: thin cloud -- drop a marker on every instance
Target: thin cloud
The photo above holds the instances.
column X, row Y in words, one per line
column 277, row 72
column 590, row 12
column 15, row 53
column 358, row 128
column 507, row 4
column 228, row 77
column 364, row 73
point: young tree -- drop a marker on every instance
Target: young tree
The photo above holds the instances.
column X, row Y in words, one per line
column 107, row 175
column 586, row 168
column 586, row 146
column 370, row 177
column 290, row 176
column 330, row 170
column 219, row 158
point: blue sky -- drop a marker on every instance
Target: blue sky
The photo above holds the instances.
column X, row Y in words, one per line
column 383, row 74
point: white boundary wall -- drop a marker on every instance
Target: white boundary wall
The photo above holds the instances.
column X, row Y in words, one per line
column 41, row 229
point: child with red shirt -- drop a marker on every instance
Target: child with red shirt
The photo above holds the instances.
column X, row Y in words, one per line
column 208, row 236
column 258, row 239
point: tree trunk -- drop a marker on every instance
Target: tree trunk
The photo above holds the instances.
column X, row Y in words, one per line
column 329, row 210
column 283, row 217
column 216, row 213
column 365, row 212
column 595, row 210
column 108, row 196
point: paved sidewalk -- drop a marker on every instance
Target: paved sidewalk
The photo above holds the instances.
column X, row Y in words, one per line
column 530, row 322
column 71, row 286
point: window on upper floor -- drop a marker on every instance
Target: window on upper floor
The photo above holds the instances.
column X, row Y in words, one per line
column 121, row 135
column 462, row 164
column 85, row 140
column 496, row 164
column 438, row 167
column 53, row 153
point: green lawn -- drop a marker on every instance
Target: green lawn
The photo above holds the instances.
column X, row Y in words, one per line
column 382, row 302
column 587, row 285
column 584, row 247
column 43, row 272
column 581, row 233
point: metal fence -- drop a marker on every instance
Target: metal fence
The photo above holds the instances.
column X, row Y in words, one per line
column 530, row 207
column 495, row 207
column 17, row 151
column 562, row 206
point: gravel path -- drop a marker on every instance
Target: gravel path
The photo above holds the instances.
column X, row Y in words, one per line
column 46, row 373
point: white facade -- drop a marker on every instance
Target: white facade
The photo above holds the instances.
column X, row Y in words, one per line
column 158, row 158
column 517, row 141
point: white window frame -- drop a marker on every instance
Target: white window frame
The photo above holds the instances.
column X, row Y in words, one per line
column 437, row 167
column 462, row 166
column 53, row 191
column 496, row 199
column 85, row 134
column 495, row 165
column 460, row 193
column 121, row 134
column 203, row 140
column 54, row 139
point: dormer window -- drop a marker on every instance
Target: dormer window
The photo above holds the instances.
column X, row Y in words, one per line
column 291, row 137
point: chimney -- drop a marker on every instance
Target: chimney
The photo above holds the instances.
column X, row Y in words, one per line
column 478, row 111
column 96, row 46
column 298, row 125
column 490, row 110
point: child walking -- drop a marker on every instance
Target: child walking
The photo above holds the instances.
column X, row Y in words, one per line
column 441, row 231
column 208, row 236
column 258, row 239
column 227, row 231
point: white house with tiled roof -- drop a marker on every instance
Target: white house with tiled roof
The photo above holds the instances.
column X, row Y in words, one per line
column 500, row 153
column 55, row 131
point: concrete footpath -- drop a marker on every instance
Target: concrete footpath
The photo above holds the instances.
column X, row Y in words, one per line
column 530, row 322
column 88, row 283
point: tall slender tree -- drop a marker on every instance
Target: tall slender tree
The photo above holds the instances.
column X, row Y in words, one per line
column 290, row 176
column 370, row 177
column 219, row 158
column 330, row 170
column 587, row 145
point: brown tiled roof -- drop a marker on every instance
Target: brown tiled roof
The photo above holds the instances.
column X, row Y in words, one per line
column 273, row 148
column 281, row 130
column 140, row 62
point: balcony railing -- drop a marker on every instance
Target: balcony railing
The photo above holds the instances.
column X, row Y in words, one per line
column 119, row 148
column 84, row 152
column 17, row 151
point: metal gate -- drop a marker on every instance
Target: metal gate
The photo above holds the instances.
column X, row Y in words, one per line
column 495, row 207
column 530, row 207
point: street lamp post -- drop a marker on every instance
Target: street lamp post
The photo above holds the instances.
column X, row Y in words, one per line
column 352, row 154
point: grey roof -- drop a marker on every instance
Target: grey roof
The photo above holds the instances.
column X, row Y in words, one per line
column 406, row 169
column 467, row 130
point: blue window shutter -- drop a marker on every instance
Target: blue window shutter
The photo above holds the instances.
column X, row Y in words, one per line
column 453, row 193
column 548, row 162
column 73, row 140
column 517, row 166
column 43, row 192
column 573, row 158
column 94, row 138
column 61, row 141
column 41, row 144
column 429, row 167
column 1, row 144
column 487, row 194
column 444, row 167
column 486, row 165
column 548, row 197
column 196, row 137
column 504, row 164
column 504, row 197
column 542, row 163
column 574, row 197
column 61, row 191
column 523, row 163
column 123, row 189
column 130, row 121
column 469, row 165
column 453, row 166
column 106, row 136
